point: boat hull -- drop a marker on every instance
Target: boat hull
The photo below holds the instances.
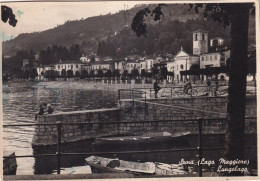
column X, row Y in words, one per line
column 179, row 140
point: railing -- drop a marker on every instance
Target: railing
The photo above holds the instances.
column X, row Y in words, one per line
column 59, row 154
column 171, row 91
column 131, row 94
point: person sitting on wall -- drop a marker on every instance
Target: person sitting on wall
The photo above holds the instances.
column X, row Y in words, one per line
column 41, row 111
column 50, row 109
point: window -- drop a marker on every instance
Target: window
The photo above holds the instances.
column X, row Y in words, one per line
column 59, row 67
column 177, row 67
column 202, row 58
column 77, row 66
column 181, row 66
column 196, row 37
column 210, row 57
column 216, row 57
column 203, row 36
column 71, row 66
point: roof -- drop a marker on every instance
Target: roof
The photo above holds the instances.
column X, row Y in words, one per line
column 102, row 62
column 132, row 61
column 142, row 61
column 181, row 50
column 86, row 64
column 200, row 31
column 70, row 62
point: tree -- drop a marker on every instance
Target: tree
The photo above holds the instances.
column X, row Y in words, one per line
column 155, row 71
column 235, row 15
column 84, row 73
column 143, row 73
column 164, row 72
column 7, row 13
column 117, row 73
column 33, row 73
column 135, row 72
column 77, row 74
column 100, row 73
column 70, row 73
column 63, row 72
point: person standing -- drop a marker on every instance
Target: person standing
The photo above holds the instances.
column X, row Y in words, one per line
column 156, row 88
column 208, row 86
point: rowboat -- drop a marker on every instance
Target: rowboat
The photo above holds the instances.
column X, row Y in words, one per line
column 109, row 165
column 146, row 138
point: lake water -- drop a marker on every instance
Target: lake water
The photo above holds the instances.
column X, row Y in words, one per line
column 21, row 102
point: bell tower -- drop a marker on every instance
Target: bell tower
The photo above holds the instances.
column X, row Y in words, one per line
column 200, row 42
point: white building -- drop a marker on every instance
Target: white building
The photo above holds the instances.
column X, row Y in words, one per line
column 150, row 63
column 70, row 65
column 102, row 65
column 132, row 64
column 85, row 59
column 182, row 62
column 214, row 59
column 120, row 65
column 86, row 67
column 143, row 66
column 218, row 41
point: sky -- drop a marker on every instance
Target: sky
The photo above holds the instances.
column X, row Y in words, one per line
column 40, row 16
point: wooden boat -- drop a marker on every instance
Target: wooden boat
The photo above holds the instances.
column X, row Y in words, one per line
column 145, row 138
column 108, row 165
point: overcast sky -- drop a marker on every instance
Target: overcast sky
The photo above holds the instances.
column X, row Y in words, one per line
column 40, row 16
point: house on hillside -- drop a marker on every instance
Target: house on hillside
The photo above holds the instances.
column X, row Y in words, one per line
column 85, row 59
column 218, row 41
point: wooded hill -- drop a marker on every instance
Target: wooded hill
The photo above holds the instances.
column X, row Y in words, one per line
column 111, row 34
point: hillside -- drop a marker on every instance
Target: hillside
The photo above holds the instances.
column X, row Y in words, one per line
column 87, row 31
column 165, row 35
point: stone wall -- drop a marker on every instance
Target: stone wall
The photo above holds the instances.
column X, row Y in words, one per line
column 163, row 115
column 183, row 109
column 47, row 134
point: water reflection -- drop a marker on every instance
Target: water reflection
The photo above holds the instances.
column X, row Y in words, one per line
column 21, row 102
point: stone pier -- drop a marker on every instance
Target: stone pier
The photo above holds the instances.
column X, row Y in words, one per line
column 163, row 109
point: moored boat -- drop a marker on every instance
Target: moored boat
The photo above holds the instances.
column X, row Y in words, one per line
column 108, row 165
column 146, row 138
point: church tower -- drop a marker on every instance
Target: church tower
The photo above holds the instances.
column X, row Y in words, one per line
column 200, row 42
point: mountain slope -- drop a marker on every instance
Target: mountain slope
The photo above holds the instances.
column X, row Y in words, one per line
column 89, row 30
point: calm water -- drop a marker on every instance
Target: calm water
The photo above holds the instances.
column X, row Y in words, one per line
column 21, row 102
